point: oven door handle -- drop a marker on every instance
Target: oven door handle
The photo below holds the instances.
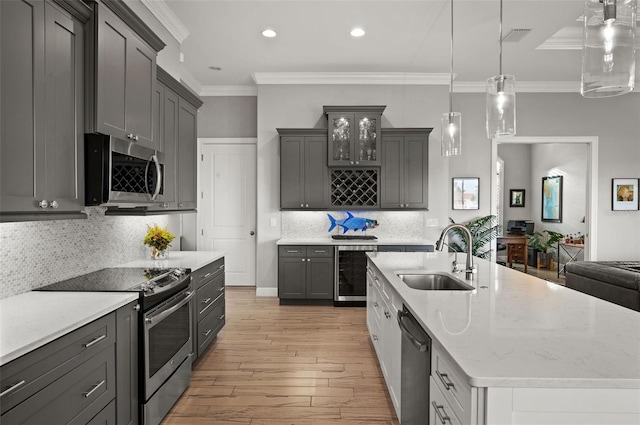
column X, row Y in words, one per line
column 158, row 317
column 159, row 290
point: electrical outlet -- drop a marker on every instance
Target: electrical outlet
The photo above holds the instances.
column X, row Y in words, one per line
column 432, row 222
column 274, row 223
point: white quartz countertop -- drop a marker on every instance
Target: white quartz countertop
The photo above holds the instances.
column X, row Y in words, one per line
column 30, row 320
column 328, row 241
column 33, row 319
column 186, row 259
column 515, row 330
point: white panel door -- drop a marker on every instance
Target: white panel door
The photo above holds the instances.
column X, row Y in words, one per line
column 228, row 208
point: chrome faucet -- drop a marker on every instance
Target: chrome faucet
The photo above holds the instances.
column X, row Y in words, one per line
column 470, row 267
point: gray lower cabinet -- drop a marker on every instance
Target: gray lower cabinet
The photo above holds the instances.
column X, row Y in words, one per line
column 42, row 135
column 209, row 312
column 304, row 175
column 405, row 168
column 305, row 272
column 73, row 379
column 122, row 74
column 127, row 352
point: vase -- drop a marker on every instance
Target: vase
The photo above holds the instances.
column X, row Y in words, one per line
column 159, row 254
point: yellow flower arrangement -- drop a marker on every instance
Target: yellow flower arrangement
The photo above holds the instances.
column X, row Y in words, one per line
column 158, row 238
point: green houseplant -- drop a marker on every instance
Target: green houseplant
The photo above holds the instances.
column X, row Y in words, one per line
column 544, row 242
column 483, row 231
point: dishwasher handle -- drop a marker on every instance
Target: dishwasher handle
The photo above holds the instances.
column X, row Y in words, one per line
column 406, row 320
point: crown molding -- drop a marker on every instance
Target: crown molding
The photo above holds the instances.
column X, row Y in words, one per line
column 167, row 18
column 228, row 91
column 366, row 78
column 190, row 81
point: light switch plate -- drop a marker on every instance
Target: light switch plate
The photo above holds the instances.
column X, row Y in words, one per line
column 274, row 223
column 432, row 222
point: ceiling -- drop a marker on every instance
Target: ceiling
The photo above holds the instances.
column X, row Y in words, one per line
column 404, row 39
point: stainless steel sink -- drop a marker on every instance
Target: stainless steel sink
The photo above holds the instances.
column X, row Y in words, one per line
column 434, row 281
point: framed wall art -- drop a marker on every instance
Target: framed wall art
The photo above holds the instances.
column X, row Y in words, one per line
column 516, row 198
column 624, row 194
column 466, row 193
column 552, row 199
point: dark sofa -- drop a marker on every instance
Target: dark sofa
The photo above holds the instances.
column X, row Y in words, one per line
column 614, row 281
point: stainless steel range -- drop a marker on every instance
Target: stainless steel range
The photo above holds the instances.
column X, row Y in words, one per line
column 165, row 330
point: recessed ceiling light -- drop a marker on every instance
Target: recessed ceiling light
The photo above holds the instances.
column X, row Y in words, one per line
column 357, row 32
column 269, row 33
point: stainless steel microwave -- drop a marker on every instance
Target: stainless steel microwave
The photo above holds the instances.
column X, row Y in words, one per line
column 121, row 173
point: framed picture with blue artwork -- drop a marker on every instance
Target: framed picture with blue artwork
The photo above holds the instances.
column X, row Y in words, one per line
column 552, row 199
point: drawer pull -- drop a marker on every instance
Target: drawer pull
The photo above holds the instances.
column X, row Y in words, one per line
column 206, row 334
column 220, row 289
column 221, row 267
column 94, row 341
column 206, row 275
column 375, row 304
column 322, row 251
column 206, row 301
column 206, row 308
column 12, row 388
column 442, row 416
column 292, row 251
column 221, row 317
column 92, row 390
column 447, row 384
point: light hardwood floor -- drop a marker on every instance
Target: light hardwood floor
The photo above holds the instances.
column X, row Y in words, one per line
column 286, row 365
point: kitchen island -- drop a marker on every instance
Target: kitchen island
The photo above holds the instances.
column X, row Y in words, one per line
column 530, row 351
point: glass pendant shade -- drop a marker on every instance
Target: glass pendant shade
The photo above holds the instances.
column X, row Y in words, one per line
column 501, row 106
column 451, row 132
column 608, row 57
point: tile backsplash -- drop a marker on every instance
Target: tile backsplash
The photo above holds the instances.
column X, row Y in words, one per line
column 37, row 253
column 392, row 224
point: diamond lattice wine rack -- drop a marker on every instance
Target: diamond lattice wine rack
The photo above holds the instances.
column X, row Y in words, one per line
column 354, row 188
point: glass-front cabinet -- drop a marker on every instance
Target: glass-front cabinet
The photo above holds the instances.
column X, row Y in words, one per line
column 354, row 135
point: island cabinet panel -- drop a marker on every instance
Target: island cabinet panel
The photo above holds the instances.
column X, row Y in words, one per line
column 89, row 375
column 405, row 168
column 304, row 175
column 122, row 74
column 305, row 272
column 41, row 144
column 209, row 306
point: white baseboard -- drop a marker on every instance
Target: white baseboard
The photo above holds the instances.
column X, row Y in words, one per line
column 266, row 292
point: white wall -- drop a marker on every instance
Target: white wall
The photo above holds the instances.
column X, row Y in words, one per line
column 616, row 123
column 300, row 106
column 517, row 175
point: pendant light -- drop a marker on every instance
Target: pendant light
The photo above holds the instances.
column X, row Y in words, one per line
column 608, row 57
column 451, row 122
column 501, row 101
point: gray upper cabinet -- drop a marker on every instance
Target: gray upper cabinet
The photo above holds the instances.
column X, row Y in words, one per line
column 121, row 66
column 304, row 176
column 354, row 135
column 405, row 168
column 41, row 104
column 186, row 156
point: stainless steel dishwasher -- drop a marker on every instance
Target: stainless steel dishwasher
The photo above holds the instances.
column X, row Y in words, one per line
column 415, row 370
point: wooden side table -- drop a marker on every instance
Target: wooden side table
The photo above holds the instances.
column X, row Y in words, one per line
column 516, row 248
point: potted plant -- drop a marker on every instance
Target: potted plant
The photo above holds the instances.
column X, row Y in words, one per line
column 483, row 231
column 159, row 239
column 544, row 243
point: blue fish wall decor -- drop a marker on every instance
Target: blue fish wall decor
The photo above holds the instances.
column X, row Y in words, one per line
column 352, row 223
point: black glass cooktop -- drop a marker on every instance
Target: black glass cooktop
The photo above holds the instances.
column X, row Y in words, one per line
column 354, row 237
column 110, row 280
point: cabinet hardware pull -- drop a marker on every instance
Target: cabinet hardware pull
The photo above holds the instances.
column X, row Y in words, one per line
column 92, row 390
column 375, row 304
column 375, row 337
column 442, row 416
column 207, row 333
column 12, row 388
column 129, row 136
column 43, row 204
column 136, row 307
column 220, row 289
column 94, row 341
column 221, row 267
column 447, row 384
column 301, row 205
column 206, row 308
column 322, row 251
column 206, row 301
column 387, row 314
column 221, row 317
column 54, row 204
column 288, row 251
column 135, row 138
column 206, row 275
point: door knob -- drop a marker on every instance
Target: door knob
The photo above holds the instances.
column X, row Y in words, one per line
column 252, row 233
